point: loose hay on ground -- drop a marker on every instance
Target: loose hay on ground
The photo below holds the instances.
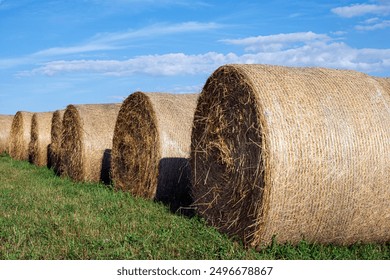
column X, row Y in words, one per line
column 295, row 153
column 5, row 130
column 20, row 135
column 40, row 138
column 151, row 146
column 87, row 140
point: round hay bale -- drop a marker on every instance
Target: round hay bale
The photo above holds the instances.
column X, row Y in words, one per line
column 385, row 83
column 151, row 146
column 87, row 140
column 54, row 160
column 293, row 153
column 40, row 138
column 5, row 129
column 20, row 135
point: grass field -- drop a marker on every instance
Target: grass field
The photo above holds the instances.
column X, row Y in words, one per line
column 45, row 217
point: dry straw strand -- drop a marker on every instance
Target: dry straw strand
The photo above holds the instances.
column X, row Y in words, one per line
column 5, row 130
column 87, row 140
column 151, row 146
column 54, row 160
column 20, row 135
column 40, row 138
column 293, row 153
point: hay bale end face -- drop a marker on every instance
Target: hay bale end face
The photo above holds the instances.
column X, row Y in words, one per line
column 5, row 130
column 87, row 140
column 151, row 146
column 20, row 135
column 40, row 138
column 54, row 159
column 295, row 153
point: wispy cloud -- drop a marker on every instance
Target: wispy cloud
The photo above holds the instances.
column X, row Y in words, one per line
column 84, row 48
column 14, row 62
column 118, row 40
column 362, row 9
column 111, row 41
column 373, row 24
column 150, row 2
column 315, row 50
column 159, row 65
column 277, row 42
column 159, row 29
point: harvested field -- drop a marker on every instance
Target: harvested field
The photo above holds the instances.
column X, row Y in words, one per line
column 20, row 135
column 293, row 153
column 40, row 138
column 151, row 146
column 87, row 140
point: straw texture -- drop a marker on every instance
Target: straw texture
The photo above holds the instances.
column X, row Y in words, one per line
column 295, row 153
column 20, row 135
column 54, row 160
column 151, row 146
column 385, row 83
column 5, row 130
column 40, row 138
column 87, row 140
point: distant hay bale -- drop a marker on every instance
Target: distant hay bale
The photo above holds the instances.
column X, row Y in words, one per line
column 295, row 153
column 5, row 130
column 40, row 138
column 87, row 140
column 20, row 135
column 151, row 146
column 55, row 145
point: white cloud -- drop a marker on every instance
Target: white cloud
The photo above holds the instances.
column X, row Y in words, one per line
column 339, row 33
column 148, row 3
column 362, row 9
column 277, row 42
column 88, row 47
column 161, row 65
column 155, row 30
column 187, row 89
column 118, row 40
column 13, row 62
column 371, row 20
column 317, row 50
column 370, row 26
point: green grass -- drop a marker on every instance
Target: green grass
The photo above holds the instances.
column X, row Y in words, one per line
column 43, row 216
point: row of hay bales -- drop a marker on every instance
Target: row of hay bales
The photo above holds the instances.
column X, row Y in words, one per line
column 264, row 151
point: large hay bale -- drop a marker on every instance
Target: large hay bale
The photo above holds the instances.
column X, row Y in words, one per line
column 385, row 83
column 40, row 138
column 20, row 135
column 5, row 130
column 54, row 160
column 87, row 140
column 151, row 146
column 295, row 153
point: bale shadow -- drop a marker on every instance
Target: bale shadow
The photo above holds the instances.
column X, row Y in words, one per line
column 49, row 156
column 174, row 185
column 53, row 160
column 106, row 167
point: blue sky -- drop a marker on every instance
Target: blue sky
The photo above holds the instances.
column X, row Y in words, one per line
column 55, row 53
